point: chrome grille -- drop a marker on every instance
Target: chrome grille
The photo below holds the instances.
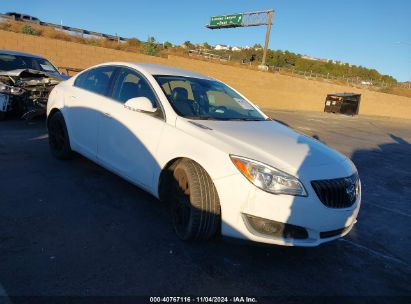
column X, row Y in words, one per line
column 339, row 192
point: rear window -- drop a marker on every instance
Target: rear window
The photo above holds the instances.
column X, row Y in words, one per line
column 96, row 80
column 80, row 79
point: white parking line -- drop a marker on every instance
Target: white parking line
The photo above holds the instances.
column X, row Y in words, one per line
column 392, row 210
column 377, row 253
column 44, row 136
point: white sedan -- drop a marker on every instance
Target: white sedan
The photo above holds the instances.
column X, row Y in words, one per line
column 192, row 141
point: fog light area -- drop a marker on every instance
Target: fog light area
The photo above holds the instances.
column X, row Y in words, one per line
column 275, row 229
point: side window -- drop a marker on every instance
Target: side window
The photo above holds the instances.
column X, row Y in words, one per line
column 80, row 80
column 96, row 80
column 130, row 84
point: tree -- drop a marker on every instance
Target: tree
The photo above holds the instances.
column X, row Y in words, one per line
column 27, row 29
column 206, row 46
column 167, row 44
column 188, row 45
column 151, row 46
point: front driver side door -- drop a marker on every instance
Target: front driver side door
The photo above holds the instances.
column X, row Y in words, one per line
column 128, row 139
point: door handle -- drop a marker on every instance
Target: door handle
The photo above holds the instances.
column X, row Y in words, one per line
column 72, row 97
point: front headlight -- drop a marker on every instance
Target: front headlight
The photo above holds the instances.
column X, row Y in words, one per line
column 268, row 178
column 4, row 88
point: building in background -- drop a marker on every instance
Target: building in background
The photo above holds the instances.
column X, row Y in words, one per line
column 222, row 47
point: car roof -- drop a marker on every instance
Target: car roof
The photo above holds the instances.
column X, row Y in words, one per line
column 16, row 53
column 157, row 69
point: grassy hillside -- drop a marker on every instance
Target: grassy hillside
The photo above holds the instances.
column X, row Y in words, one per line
column 277, row 59
column 268, row 90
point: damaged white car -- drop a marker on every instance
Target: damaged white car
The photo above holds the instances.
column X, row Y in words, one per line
column 25, row 83
column 220, row 162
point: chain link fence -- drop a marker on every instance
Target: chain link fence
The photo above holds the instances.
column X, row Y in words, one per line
column 207, row 55
column 348, row 80
column 354, row 81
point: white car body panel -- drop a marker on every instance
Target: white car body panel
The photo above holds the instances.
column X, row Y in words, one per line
column 130, row 155
column 84, row 115
column 293, row 151
column 138, row 146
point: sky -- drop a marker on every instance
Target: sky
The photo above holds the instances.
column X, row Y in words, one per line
column 371, row 33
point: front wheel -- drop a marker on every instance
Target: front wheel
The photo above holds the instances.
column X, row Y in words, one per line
column 194, row 202
column 58, row 137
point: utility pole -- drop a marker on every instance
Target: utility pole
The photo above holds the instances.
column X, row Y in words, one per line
column 267, row 37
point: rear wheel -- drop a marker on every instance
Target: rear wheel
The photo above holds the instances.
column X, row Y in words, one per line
column 2, row 116
column 58, row 137
column 194, row 202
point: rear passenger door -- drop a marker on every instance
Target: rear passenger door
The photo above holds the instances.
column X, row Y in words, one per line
column 83, row 106
column 128, row 139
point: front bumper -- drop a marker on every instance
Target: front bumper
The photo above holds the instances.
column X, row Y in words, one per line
column 27, row 105
column 239, row 199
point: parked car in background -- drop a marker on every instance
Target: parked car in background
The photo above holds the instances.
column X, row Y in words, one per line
column 25, row 83
column 216, row 158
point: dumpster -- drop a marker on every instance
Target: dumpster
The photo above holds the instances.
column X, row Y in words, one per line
column 343, row 103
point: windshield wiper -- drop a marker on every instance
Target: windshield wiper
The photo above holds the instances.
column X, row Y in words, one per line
column 206, row 117
column 247, row 119
column 200, row 117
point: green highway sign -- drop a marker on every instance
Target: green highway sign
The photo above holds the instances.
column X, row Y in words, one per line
column 227, row 20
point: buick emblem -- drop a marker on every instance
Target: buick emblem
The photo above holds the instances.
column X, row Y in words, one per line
column 351, row 189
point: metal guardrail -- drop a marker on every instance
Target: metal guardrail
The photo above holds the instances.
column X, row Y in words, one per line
column 69, row 70
column 31, row 20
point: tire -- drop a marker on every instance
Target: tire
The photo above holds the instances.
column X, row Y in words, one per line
column 59, row 142
column 195, row 206
column 2, row 116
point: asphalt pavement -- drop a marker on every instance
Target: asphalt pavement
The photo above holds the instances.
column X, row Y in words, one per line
column 71, row 228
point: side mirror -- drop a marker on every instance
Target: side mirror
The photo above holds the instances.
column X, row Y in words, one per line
column 140, row 104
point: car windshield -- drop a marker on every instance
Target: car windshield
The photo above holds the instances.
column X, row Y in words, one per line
column 16, row 62
column 204, row 99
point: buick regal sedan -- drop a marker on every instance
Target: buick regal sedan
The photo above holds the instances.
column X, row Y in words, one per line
column 194, row 142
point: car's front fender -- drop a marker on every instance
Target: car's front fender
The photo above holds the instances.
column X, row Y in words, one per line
column 175, row 144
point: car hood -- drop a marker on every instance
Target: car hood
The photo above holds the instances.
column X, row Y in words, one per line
column 26, row 73
column 266, row 141
column 25, row 78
